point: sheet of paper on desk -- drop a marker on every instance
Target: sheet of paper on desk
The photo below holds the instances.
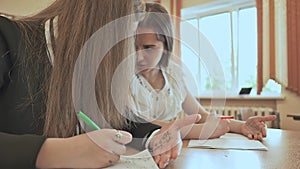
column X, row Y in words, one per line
column 229, row 141
column 142, row 160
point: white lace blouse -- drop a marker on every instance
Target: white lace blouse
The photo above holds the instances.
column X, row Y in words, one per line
column 162, row 105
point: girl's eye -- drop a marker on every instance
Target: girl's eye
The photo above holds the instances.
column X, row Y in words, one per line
column 148, row 47
column 145, row 47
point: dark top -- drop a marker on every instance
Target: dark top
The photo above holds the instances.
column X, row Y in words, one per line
column 20, row 124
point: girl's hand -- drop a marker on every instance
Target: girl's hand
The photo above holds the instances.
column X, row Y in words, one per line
column 255, row 127
column 167, row 143
column 95, row 149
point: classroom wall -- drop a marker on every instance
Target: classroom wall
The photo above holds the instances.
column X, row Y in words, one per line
column 23, row 7
column 191, row 3
column 186, row 3
column 290, row 105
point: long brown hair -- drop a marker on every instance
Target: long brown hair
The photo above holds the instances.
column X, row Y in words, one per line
column 77, row 21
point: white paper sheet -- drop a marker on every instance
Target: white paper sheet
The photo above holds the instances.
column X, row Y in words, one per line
column 229, row 141
column 142, row 160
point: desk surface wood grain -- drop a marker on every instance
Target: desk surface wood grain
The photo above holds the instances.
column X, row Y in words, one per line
column 283, row 153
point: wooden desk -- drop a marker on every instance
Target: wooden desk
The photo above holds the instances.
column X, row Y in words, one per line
column 284, row 152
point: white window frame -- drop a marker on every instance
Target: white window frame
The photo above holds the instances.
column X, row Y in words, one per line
column 224, row 8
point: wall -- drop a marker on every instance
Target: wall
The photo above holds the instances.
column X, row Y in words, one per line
column 191, row 3
column 166, row 4
column 186, row 3
column 23, row 7
column 291, row 105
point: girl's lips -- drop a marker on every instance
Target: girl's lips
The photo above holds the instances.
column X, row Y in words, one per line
column 139, row 66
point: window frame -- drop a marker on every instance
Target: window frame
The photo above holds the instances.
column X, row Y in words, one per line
column 234, row 37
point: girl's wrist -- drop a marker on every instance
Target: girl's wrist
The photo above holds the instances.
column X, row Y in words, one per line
column 53, row 153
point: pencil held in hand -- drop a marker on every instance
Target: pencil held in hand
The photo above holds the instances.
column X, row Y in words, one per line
column 88, row 121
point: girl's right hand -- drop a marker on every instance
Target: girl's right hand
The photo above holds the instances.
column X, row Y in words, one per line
column 95, row 149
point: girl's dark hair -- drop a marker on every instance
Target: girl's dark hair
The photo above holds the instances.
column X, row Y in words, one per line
column 158, row 19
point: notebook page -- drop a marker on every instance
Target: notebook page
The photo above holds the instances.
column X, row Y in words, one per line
column 141, row 160
column 229, row 141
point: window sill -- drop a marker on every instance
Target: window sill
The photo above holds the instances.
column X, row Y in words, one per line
column 245, row 97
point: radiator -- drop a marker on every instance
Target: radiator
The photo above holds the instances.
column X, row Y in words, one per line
column 243, row 113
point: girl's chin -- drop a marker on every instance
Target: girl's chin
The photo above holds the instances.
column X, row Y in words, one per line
column 141, row 69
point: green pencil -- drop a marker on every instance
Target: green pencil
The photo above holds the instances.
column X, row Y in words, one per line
column 88, row 121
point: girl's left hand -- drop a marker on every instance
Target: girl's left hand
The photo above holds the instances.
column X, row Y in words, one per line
column 255, row 127
column 166, row 144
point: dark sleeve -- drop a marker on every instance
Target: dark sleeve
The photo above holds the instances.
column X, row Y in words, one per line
column 140, row 132
column 16, row 151
column 4, row 56
column 19, row 151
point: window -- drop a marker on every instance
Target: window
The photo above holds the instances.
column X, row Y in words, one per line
column 233, row 34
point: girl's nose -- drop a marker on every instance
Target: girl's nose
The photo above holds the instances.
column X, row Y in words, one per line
column 139, row 55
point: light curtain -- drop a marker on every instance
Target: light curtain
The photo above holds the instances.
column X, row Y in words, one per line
column 293, row 42
column 277, row 43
